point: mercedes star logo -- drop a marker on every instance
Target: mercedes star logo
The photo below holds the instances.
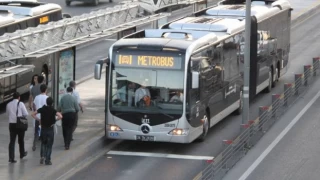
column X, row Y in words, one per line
column 145, row 129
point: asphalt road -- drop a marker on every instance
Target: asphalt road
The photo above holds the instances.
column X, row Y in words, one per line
column 296, row 156
column 134, row 167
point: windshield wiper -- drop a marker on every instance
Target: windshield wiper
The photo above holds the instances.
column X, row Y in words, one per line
column 164, row 113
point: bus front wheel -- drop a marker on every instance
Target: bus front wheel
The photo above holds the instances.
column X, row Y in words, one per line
column 205, row 128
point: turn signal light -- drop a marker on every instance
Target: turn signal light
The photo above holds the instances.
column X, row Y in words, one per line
column 179, row 132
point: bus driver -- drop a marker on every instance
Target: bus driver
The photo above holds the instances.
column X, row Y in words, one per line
column 142, row 96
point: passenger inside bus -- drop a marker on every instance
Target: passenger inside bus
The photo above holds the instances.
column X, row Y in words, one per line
column 142, row 96
column 125, row 94
column 178, row 97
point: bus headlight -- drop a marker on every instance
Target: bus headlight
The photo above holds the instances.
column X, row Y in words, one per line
column 179, row 132
column 112, row 127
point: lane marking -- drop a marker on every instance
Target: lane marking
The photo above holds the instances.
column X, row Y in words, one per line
column 110, row 39
column 247, row 173
column 160, row 155
column 87, row 161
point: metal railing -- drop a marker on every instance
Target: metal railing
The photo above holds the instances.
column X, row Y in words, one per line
column 251, row 132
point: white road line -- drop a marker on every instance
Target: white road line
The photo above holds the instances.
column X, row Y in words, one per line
column 110, row 39
column 246, row 174
column 160, row 155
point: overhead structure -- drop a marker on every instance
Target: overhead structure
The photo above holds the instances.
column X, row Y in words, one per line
column 155, row 6
column 54, row 36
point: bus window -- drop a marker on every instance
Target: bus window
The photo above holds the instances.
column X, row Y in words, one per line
column 11, row 28
column 23, row 25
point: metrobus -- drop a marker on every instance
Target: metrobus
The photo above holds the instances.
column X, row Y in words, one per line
column 16, row 74
column 172, row 84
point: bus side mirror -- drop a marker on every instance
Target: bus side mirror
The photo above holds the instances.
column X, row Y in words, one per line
column 98, row 67
column 97, row 71
column 195, row 80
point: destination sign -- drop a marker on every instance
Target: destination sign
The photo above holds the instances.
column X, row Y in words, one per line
column 44, row 19
column 148, row 61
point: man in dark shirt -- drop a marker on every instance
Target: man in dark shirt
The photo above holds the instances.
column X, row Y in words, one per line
column 48, row 119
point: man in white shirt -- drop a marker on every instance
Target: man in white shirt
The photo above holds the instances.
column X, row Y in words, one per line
column 39, row 102
column 178, row 97
column 41, row 99
column 11, row 110
column 76, row 95
column 141, row 93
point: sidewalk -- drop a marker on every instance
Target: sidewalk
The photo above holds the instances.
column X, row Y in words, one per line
column 88, row 136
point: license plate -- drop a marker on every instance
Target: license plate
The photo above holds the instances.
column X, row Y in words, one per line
column 144, row 138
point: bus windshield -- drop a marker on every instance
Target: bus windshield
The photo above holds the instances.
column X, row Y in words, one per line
column 146, row 83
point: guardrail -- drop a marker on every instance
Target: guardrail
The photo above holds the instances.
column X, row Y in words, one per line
column 252, row 131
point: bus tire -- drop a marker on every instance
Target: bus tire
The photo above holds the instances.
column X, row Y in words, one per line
column 68, row 3
column 205, row 128
column 95, row 2
column 269, row 87
column 276, row 78
column 239, row 110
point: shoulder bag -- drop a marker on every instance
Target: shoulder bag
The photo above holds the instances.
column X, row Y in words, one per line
column 22, row 122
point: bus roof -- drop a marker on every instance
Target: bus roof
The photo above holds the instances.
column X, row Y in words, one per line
column 11, row 13
column 30, row 11
column 165, row 39
column 18, row 1
column 227, row 19
column 214, row 23
column 153, row 42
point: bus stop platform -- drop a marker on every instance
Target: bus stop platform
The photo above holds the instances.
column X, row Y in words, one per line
column 89, row 136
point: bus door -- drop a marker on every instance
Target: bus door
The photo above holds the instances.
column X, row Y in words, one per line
column 217, row 101
column 197, row 109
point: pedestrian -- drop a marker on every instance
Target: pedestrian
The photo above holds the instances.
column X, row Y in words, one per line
column 68, row 107
column 75, row 94
column 16, row 109
column 48, row 119
column 35, row 91
column 34, row 81
column 39, row 102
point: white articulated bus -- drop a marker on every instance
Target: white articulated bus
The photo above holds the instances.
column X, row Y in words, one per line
column 172, row 84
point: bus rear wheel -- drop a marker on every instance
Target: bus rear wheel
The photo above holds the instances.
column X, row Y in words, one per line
column 205, row 128
column 276, row 78
column 68, row 3
column 95, row 2
column 269, row 87
column 239, row 110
